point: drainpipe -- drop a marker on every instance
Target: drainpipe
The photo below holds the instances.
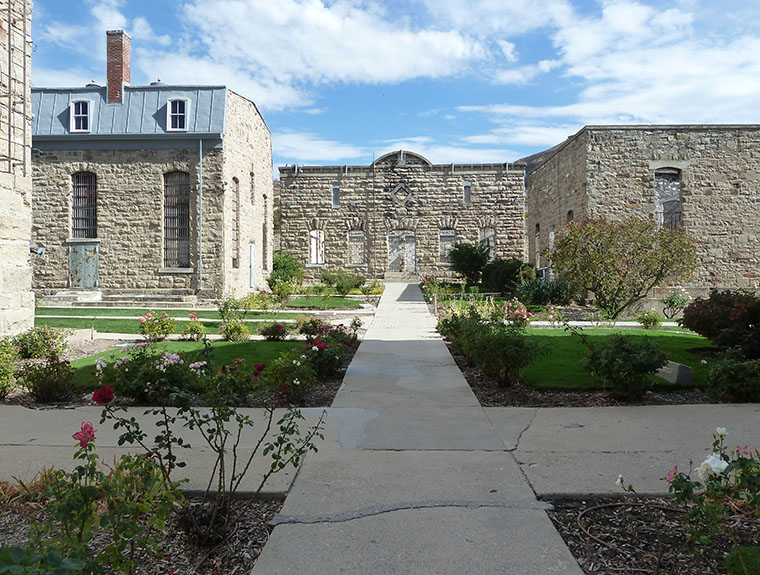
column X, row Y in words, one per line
column 200, row 217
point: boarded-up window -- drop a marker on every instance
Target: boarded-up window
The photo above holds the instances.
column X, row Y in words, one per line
column 316, row 247
column 177, row 220
column 667, row 197
column 84, row 205
column 486, row 236
column 356, row 247
column 235, row 201
column 447, row 239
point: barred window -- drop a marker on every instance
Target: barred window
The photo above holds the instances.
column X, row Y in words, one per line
column 177, row 220
column 356, row 247
column 667, row 197
column 446, row 240
column 84, row 205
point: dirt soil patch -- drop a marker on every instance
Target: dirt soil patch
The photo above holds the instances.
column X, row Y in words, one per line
column 632, row 535
column 489, row 394
column 179, row 554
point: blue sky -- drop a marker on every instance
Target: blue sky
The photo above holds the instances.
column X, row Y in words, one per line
column 341, row 82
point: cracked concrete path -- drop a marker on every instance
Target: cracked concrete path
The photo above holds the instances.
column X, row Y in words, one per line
column 413, row 477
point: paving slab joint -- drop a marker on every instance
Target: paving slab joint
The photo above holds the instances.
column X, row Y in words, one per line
column 375, row 511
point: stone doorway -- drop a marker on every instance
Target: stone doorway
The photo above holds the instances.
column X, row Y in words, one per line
column 401, row 251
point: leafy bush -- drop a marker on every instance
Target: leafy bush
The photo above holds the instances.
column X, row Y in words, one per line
column 308, row 326
column 733, row 378
column 40, row 342
column 259, row 300
column 291, row 375
column 542, row 291
column 141, row 372
column 285, row 268
column 274, row 332
column 342, row 280
column 281, row 291
column 194, row 329
column 505, row 275
column 675, row 302
column 49, row 382
column 29, row 561
column 8, row 359
column 620, row 261
column 729, row 319
column 516, row 313
column 650, row 320
column 228, row 307
column 622, row 364
column 469, row 260
column 738, row 559
column 235, row 330
column 155, row 327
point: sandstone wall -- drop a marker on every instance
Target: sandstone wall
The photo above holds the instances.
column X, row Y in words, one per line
column 367, row 203
column 248, row 158
column 555, row 188
column 16, row 297
column 130, row 186
column 720, row 189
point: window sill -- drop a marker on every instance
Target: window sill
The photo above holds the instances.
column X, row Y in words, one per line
column 75, row 241
column 315, row 266
column 356, row 265
column 176, row 271
column 443, row 264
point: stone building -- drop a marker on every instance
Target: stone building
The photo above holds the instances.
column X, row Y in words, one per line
column 705, row 178
column 158, row 190
column 16, row 297
column 399, row 215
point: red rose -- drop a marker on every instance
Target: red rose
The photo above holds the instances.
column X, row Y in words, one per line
column 258, row 368
column 103, row 395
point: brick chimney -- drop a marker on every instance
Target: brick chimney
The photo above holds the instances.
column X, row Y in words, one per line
column 117, row 56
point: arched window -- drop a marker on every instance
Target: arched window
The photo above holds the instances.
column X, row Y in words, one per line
column 177, row 220
column 84, row 205
column 316, row 247
column 570, row 216
column 446, row 238
column 667, row 197
column 235, row 200
column 487, row 236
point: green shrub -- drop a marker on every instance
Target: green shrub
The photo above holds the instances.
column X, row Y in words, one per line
column 505, row 275
column 194, row 329
column 343, row 281
column 291, row 376
column 145, row 374
column 675, row 302
column 622, row 364
column 734, row 378
column 650, row 320
column 49, row 382
column 744, row 556
column 274, row 331
column 40, row 342
column 308, row 326
column 281, row 291
column 285, row 268
column 235, row 330
column 29, row 561
column 259, row 300
column 156, row 327
column 228, row 307
column 469, row 260
column 8, row 359
column 542, row 291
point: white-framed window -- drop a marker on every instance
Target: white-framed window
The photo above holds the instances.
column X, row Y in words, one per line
column 176, row 114
column 447, row 239
column 336, row 196
column 316, row 247
column 467, row 193
column 356, row 247
column 79, row 116
column 486, row 236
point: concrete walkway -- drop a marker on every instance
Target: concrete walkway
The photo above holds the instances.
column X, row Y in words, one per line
column 417, row 480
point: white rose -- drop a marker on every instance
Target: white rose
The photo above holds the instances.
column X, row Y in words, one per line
column 721, row 431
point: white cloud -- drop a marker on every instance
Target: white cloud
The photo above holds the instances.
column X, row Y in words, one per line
column 71, row 77
column 300, row 147
column 439, row 153
column 526, row 135
column 140, row 29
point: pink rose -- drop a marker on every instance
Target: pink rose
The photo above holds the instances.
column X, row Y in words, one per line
column 142, row 320
column 85, row 434
column 672, row 474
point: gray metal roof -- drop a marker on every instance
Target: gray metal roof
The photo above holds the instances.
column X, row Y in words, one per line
column 142, row 111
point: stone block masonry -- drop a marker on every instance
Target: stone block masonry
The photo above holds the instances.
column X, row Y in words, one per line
column 399, row 214
column 16, row 297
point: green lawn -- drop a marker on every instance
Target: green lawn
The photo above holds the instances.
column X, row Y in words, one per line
column 137, row 312
column 561, row 367
column 322, row 302
column 129, row 325
column 223, row 352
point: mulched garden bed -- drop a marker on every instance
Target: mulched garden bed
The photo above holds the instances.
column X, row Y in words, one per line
column 179, row 554
column 489, row 394
column 632, row 535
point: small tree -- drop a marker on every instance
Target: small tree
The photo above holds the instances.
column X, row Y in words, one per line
column 468, row 260
column 285, row 268
column 620, row 261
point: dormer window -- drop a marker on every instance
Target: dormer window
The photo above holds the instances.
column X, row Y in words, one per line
column 79, row 116
column 176, row 115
